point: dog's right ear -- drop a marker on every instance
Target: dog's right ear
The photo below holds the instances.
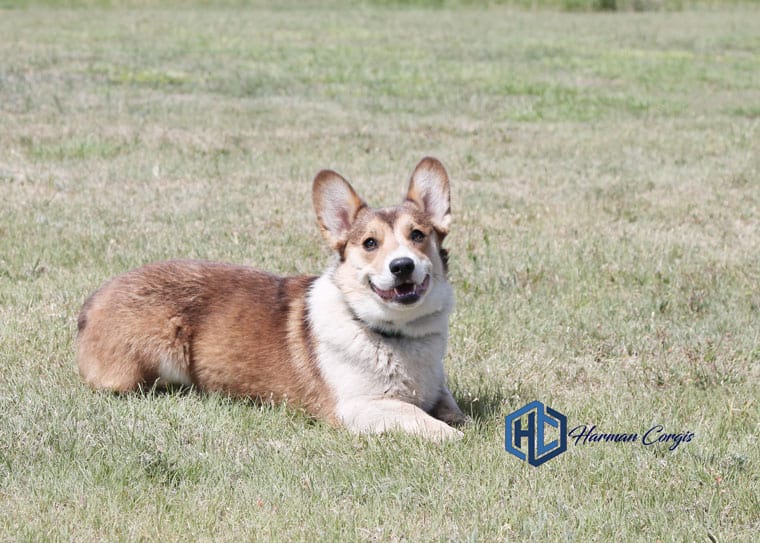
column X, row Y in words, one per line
column 336, row 204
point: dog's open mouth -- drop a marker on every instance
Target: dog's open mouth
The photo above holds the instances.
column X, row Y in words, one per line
column 407, row 292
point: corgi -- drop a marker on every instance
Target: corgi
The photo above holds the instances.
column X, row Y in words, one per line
column 360, row 346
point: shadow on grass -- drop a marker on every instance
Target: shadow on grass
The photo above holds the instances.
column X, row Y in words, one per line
column 163, row 390
column 485, row 405
column 479, row 404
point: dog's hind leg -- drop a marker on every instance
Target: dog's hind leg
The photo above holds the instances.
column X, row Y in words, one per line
column 120, row 349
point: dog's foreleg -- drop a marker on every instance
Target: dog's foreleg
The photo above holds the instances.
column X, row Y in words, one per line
column 381, row 415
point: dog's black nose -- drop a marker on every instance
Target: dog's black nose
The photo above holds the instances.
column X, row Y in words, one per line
column 401, row 267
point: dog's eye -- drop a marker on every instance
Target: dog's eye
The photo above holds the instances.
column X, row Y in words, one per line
column 417, row 236
column 370, row 244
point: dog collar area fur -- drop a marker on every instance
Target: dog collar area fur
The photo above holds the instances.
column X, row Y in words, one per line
column 387, row 334
column 390, row 334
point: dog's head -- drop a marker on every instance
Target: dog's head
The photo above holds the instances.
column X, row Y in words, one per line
column 392, row 268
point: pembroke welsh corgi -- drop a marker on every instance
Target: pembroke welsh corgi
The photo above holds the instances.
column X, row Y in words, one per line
column 360, row 346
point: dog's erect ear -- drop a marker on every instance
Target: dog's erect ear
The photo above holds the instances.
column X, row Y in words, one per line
column 429, row 191
column 336, row 204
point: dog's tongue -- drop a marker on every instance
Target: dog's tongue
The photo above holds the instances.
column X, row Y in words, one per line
column 386, row 294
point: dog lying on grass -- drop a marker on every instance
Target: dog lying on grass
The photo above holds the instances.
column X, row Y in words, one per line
column 360, row 346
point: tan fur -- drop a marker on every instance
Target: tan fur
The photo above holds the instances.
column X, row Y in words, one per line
column 234, row 329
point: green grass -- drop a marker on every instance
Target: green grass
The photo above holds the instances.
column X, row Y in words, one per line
column 605, row 254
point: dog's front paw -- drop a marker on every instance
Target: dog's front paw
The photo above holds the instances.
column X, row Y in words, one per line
column 391, row 415
column 438, row 431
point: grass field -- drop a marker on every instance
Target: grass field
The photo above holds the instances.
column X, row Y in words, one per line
column 605, row 253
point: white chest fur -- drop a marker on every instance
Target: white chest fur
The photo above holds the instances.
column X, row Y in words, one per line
column 361, row 365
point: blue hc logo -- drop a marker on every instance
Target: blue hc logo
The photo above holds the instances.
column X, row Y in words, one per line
column 539, row 416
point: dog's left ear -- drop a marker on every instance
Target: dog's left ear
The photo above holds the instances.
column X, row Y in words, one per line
column 429, row 191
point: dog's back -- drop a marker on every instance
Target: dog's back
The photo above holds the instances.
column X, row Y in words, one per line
column 221, row 327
